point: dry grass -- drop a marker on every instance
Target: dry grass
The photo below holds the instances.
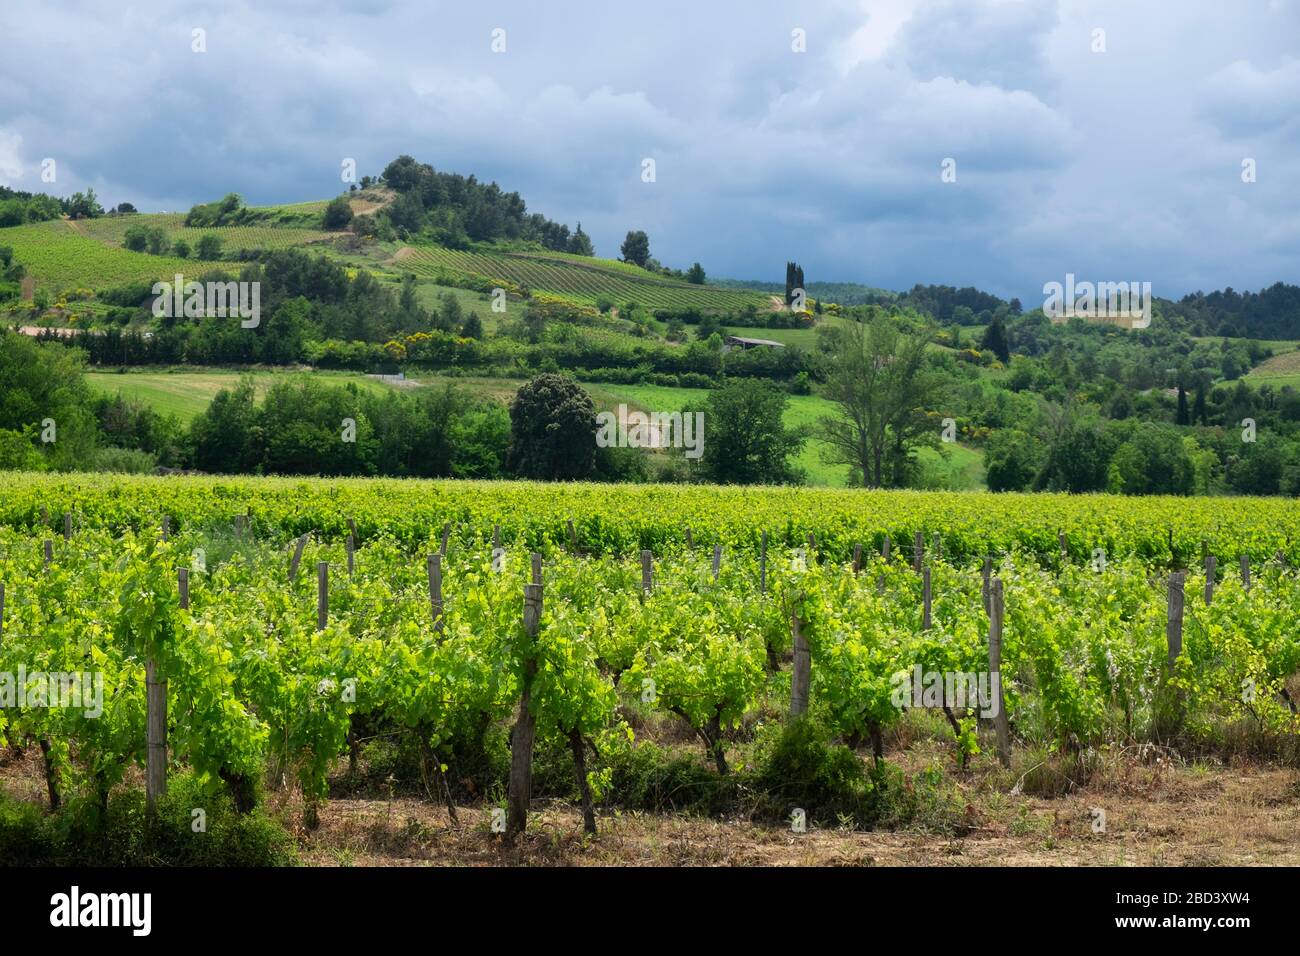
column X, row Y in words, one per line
column 1159, row 811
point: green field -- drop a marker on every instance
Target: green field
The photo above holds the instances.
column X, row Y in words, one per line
column 185, row 393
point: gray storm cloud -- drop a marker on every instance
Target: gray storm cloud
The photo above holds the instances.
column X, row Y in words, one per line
column 1117, row 163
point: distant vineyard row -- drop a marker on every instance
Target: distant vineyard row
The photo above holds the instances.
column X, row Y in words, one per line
column 233, row 238
column 580, row 282
column 626, row 518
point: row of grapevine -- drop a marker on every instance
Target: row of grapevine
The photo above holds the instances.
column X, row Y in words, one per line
column 625, row 519
column 268, row 675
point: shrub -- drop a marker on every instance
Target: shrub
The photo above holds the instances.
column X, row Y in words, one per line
column 127, row 461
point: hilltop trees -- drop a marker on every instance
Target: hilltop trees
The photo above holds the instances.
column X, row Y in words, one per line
column 227, row 211
column 636, row 248
column 18, row 207
column 455, row 210
column 695, row 274
column 83, row 206
column 580, row 243
column 338, row 213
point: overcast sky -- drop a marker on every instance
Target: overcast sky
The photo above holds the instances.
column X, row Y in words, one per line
column 1118, row 165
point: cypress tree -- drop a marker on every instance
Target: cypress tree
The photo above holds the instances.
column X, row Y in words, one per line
column 1183, row 417
column 995, row 340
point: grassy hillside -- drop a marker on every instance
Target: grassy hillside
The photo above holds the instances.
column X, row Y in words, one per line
column 89, row 254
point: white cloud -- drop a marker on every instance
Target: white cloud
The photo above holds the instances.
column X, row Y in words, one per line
column 11, row 166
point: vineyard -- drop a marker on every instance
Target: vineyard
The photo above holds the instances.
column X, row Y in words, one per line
column 58, row 257
column 284, row 622
column 575, row 278
column 234, row 239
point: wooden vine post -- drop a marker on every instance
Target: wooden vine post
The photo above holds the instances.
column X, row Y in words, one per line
column 1174, row 622
column 717, row 560
column 573, row 538
column 446, row 534
column 857, row 558
column 801, row 677
column 1170, row 714
column 925, row 598
column 297, row 558
column 647, row 572
column 350, row 546
column 322, row 594
column 49, row 553
column 1000, row 722
column 1245, row 571
column 1211, row 562
column 525, row 729
column 918, row 551
column 434, row 567
column 67, row 526
column 155, row 707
